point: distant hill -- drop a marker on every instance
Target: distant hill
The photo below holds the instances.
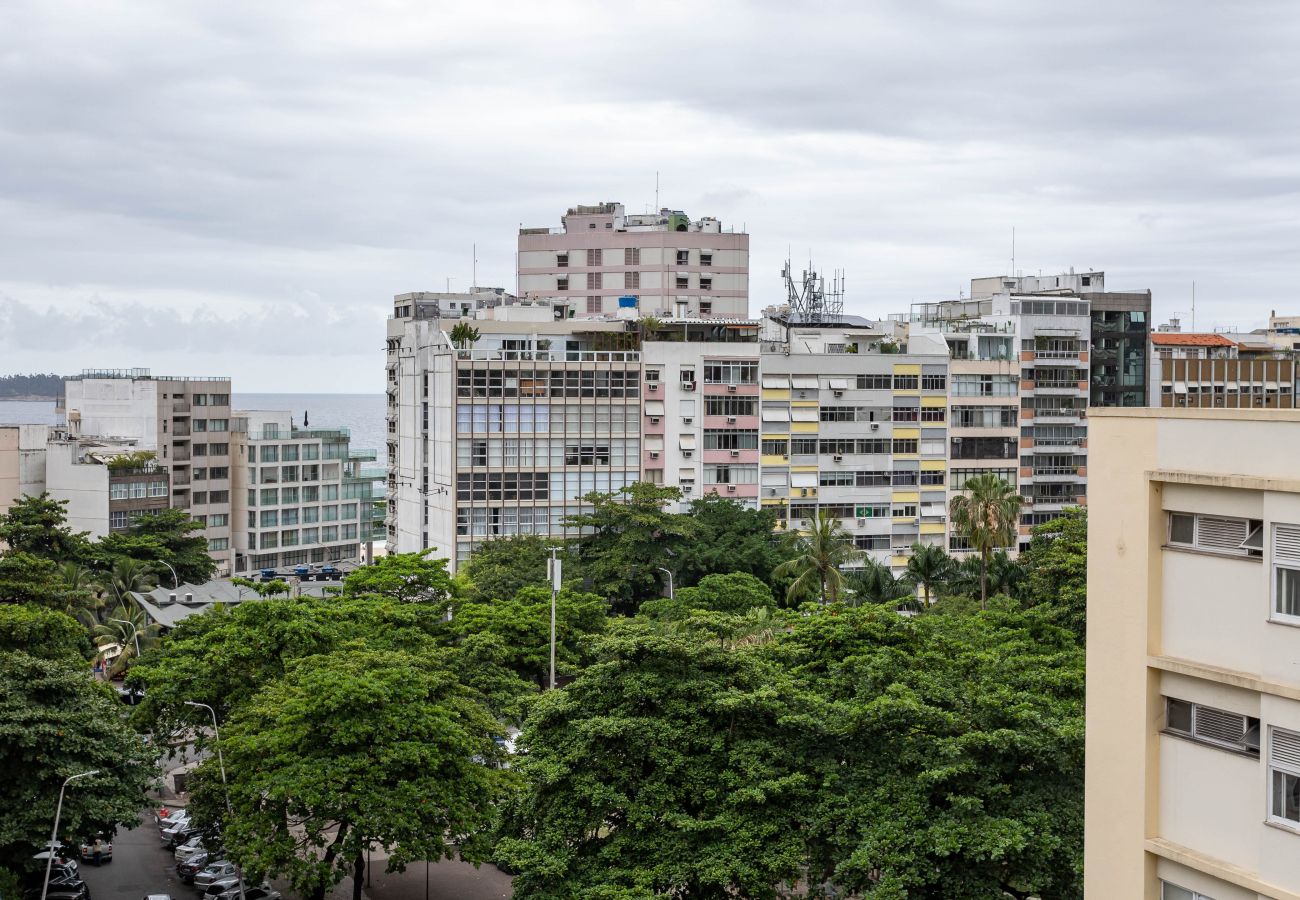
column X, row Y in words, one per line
column 31, row 387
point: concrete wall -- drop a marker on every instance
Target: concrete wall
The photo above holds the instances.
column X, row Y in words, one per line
column 84, row 486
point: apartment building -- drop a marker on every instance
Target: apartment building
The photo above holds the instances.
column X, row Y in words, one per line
column 1193, row 707
column 604, row 259
column 102, row 483
column 854, row 424
column 185, row 420
column 302, row 496
column 1213, row 370
column 22, row 462
column 505, row 436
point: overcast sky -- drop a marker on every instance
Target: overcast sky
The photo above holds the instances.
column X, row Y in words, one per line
column 240, row 188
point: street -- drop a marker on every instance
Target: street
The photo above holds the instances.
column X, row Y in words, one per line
column 141, row 866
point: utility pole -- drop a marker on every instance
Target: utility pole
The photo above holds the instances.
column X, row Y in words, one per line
column 668, row 572
column 221, row 765
column 553, row 567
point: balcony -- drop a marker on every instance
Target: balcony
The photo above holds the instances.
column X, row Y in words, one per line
column 180, row 479
column 180, row 430
column 180, row 454
column 181, row 406
column 626, row 356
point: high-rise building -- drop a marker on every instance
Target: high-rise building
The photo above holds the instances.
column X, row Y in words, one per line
column 604, row 259
column 1193, row 706
column 185, row 420
column 302, row 496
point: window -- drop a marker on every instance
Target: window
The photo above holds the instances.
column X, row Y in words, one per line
column 984, row 385
column 199, row 450
column 219, row 472
column 731, row 406
column 907, row 382
column 562, row 284
column 776, row 448
column 683, row 282
column 803, row 446
column 1215, row 534
column 288, row 473
column 593, row 305
column 270, row 453
column 906, row 445
column 934, row 382
column 683, row 257
column 932, row 479
column 706, row 284
column 289, row 517
column 218, row 425
column 934, row 414
column 561, row 260
column 631, row 280
column 737, row 372
column 218, row 543
column 270, row 519
column 632, row 256
column 218, row 520
column 1209, row 725
column 1284, row 775
column 270, row 496
column 593, row 281
column 1172, row 891
column 593, row 257
column 289, row 453
column 117, row 519
column 984, row 448
column 719, row 439
column 906, row 413
column 217, row 497
column 723, row 473
column 288, row 495
column 1286, row 571
column 706, row 258
column 874, row 382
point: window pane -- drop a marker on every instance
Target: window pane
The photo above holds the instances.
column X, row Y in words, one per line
column 1288, row 591
column 1181, row 528
column 1178, row 715
column 1174, row 892
column 1286, row 796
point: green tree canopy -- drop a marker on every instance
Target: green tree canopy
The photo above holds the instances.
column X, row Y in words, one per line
column 404, row 577
column 357, row 748
column 502, row 567
column 819, row 556
column 167, row 536
column 876, row 583
column 671, row 768
column 987, row 516
column 38, row 525
column 42, row 632
column 28, row 578
column 731, row 537
column 627, row 536
column 736, row 593
column 1056, row 570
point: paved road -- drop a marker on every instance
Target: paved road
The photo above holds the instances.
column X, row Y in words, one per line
column 140, row 866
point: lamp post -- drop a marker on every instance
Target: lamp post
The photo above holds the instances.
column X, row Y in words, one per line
column 176, row 582
column 134, row 633
column 671, row 594
column 553, row 567
column 221, row 764
column 54, row 834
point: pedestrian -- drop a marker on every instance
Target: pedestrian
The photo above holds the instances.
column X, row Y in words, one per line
column 97, row 849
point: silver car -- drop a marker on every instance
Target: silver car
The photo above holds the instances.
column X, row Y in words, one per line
column 262, row 892
column 189, row 848
column 217, row 871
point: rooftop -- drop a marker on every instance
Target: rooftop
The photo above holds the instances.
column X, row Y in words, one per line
column 1169, row 339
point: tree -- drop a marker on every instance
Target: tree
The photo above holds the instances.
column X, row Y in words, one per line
column 38, row 525
column 671, row 768
column 56, row 721
column 523, row 625
column 951, row 765
column 137, row 459
column 730, row 537
column 626, row 537
column 123, row 630
column 464, row 335
column 28, row 578
column 928, row 567
column 404, row 577
column 128, row 576
column 736, row 593
column 380, row 747
column 273, row 588
column 876, row 583
column 986, row 515
column 816, row 568
column 166, row 536
column 1056, row 566
column 503, row 566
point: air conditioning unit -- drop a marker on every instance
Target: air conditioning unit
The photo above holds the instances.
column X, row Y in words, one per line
column 652, row 386
column 839, row 393
column 735, row 452
column 803, row 395
column 785, row 455
column 839, row 458
column 731, row 389
column 688, row 385
column 862, row 523
column 731, row 420
column 687, row 488
column 654, row 454
column 803, row 492
column 731, row 489
column 687, row 454
column 687, row 420
column 875, row 426
column 654, row 420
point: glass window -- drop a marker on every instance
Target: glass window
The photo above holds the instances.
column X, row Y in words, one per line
column 1182, row 528
column 270, row 453
column 270, row 496
column 289, row 453
column 310, row 514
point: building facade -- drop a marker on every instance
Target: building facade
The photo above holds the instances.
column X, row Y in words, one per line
column 302, row 496
column 184, row 420
column 102, row 494
column 1214, row 371
column 22, row 462
column 604, row 259
column 1193, row 707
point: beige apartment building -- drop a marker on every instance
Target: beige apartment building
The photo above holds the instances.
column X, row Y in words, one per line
column 1193, row 722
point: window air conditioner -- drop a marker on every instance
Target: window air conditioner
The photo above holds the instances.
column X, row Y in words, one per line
column 803, row 492
column 875, row 426
column 654, row 420
column 785, row 455
column 839, row 458
column 652, row 386
column 688, row 385
column 654, row 454
column 862, row 523
column 735, row 452
column 731, row 489
column 731, row 389
column 731, row 420
column 687, row 454
column 839, row 393
column 687, row 488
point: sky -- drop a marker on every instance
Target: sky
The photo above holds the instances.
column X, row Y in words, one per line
column 233, row 188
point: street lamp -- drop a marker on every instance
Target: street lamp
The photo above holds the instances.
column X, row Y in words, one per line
column 54, row 835
column 221, row 764
column 553, row 567
column 671, row 594
column 134, row 633
column 176, row 582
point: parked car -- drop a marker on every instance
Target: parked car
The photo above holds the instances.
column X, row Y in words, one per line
column 214, row 872
column 221, row 885
column 66, row 861
column 175, row 820
column 188, row 849
column 60, row 880
column 263, row 891
column 164, row 813
column 158, row 897
column 57, row 892
column 100, row 850
column 193, row 866
column 174, row 835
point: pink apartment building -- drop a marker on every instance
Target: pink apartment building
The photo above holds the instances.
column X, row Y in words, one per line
column 604, row 261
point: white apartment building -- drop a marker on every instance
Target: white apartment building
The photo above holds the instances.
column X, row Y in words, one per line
column 302, row 495
column 22, row 462
column 184, row 420
column 604, row 259
column 1193, row 707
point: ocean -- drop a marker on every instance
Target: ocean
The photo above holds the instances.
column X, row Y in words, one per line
column 362, row 414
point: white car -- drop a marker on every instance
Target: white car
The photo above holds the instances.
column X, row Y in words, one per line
column 189, row 848
column 217, row 871
column 263, row 891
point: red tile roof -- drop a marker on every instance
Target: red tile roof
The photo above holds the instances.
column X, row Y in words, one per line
column 1163, row 339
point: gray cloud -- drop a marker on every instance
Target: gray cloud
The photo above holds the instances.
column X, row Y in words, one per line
column 238, row 183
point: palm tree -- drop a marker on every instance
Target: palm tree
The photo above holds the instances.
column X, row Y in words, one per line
column 928, row 566
column 875, row 582
column 116, row 634
column 463, row 335
column 128, row 575
column 986, row 516
column 817, row 567
column 83, row 591
column 1005, row 574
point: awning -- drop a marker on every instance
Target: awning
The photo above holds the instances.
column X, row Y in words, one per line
column 654, row 442
column 687, row 442
column 686, row 474
column 683, row 274
column 803, row 479
column 1180, row 389
column 781, row 414
column 1233, row 386
column 839, row 384
column 1270, row 385
column 776, row 381
column 803, row 414
column 654, row 407
column 804, row 382
column 705, row 250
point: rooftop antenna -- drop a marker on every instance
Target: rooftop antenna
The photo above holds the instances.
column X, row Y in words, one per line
column 808, row 298
column 1193, row 307
column 474, row 253
column 656, row 190
column 1013, row 251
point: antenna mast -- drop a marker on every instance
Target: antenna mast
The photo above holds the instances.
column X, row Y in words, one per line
column 808, row 298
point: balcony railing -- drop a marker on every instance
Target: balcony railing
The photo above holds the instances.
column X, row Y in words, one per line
column 628, row 356
column 179, row 430
column 180, row 406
